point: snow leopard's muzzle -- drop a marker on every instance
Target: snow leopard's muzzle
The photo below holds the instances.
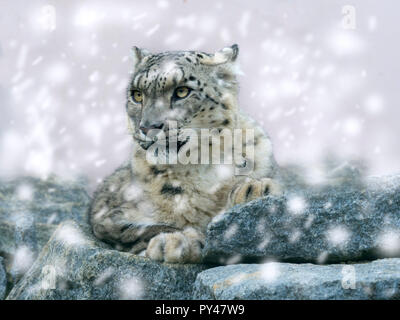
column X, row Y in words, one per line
column 166, row 142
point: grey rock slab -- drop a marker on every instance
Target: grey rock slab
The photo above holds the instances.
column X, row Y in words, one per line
column 75, row 265
column 10, row 234
column 47, row 201
column 337, row 223
column 379, row 279
column 30, row 210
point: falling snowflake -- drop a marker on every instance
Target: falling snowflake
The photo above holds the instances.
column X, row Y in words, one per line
column 346, row 43
column 23, row 259
column 233, row 259
column 104, row 276
column 57, row 73
column 374, row 104
column 389, row 242
column 295, row 236
column 133, row 192
column 231, row 231
column 131, row 288
column 270, row 271
column 322, row 257
column 338, row 235
column 70, row 236
column 296, row 205
column 352, row 126
column 25, row 192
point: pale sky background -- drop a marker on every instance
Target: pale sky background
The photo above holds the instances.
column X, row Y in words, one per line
column 315, row 83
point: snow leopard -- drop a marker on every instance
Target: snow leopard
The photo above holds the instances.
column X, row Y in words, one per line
column 162, row 210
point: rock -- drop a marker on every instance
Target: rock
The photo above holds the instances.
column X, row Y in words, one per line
column 3, row 280
column 375, row 280
column 30, row 210
column 75, row 265
column 49, row 201
column 335, row 223
column 9, row 231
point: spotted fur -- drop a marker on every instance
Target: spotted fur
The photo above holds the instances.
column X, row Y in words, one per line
column 162, row 210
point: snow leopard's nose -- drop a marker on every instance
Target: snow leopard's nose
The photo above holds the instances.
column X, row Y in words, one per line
column 146, row 127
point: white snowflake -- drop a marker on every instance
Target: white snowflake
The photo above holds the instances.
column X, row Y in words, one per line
column 270, row 271
column 23, row 259
column 25, row 192
column 374, row 104
column 131, row 288
column 296, row 205
column 70, row 236
column 104, row 276
column 389, row 242
column 338, row 235
column 346, row 43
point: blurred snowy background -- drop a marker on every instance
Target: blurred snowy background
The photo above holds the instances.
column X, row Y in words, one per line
column 319, row 76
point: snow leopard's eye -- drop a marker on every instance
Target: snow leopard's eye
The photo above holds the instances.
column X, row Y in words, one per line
column 181, row 92
column 137, row 96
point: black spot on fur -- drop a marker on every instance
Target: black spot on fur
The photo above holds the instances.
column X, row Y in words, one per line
column 154, row 170
column 225, row 122
column 224, row 106
column 266, row 190
column 211, row 99
column 200, row 244
column 125, row 227
column 192, row 78
column 169, row 189
column 248, row 191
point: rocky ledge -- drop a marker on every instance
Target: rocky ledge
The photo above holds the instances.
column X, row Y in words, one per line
column 75, row 265
column 302, row 245
column 330, row 224
column 379, row 279
column 30, row 210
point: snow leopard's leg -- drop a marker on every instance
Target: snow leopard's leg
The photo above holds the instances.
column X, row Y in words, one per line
column 251, row 189
column 177, row 247
column 115, row 215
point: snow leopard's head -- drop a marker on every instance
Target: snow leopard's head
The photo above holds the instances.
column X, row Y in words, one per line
column 191, row 89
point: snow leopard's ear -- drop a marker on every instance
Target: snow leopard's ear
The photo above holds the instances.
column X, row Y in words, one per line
column 225, row 55
column 139, row 55
column 225, row 66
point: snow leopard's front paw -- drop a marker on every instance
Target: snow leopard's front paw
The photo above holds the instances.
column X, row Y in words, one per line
column 176, row 247
column 253, row 189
